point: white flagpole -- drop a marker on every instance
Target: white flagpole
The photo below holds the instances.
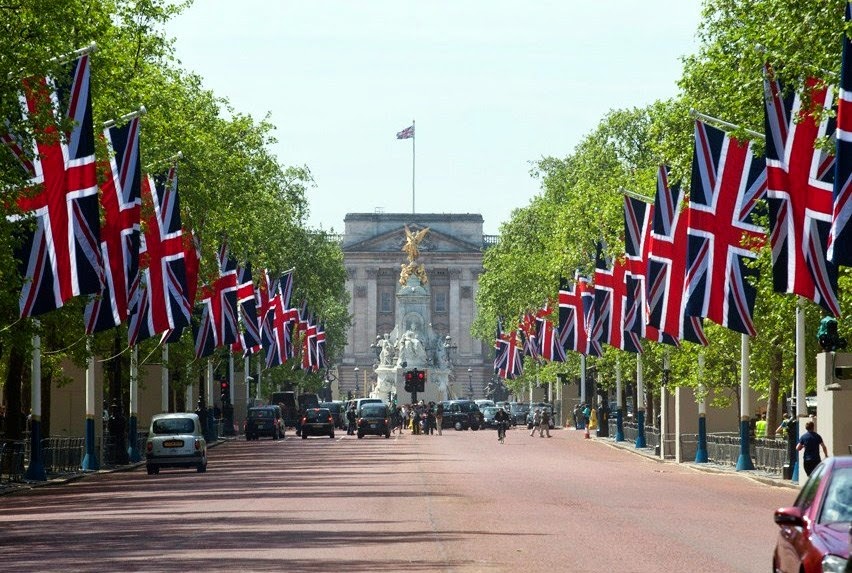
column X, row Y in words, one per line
column 164, row 380
column 413, row 137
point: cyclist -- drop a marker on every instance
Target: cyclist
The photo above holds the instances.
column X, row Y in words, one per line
column 502, row 419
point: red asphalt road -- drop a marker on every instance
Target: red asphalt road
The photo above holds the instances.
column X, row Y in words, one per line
column 458, row 502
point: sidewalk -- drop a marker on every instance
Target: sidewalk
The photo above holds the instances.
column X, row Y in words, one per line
column 761, row 476
column 12, row 487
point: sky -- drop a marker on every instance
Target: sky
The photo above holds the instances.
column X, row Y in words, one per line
column 493, row 86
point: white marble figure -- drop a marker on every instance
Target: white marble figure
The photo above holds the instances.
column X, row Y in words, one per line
column 386, row 354
column 410, row 350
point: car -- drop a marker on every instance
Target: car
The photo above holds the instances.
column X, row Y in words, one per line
column 461, row 415
column 518, row 412
column 814, row 532
column 374, row 419
column 336, row 409
column 484, row 404
column 264, row 421
column 542, row 407
column 175, row 441
column 358, row 402
column 317, row 422
column 488, row 413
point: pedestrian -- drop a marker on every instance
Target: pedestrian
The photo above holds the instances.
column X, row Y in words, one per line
column 576, row 414
column 536, row 422
column 593, row 420
column 350, row 420
column 760, row 427
column 545, row 423
column 439, row 416
column 430, row 419
column 587, row 412
column 810, row 441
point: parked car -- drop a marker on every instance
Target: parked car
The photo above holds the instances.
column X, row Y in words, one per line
column 488, row 416
column 518, row 412
column 264, row 421
column 814, row 531
column 461, row 415
column 317, row 422
column 175, row 441
column 542, row 407
column 374, row 419
column 336, row 409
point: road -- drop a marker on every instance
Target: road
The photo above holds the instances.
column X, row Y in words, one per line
column 460, row 502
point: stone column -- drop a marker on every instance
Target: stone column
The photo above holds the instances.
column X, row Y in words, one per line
column 371, row 311
column 462, row 341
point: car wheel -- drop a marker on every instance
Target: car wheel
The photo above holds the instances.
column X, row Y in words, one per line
column 304, row 436
column 360, row 435
column 387, row 435
column 331, row 435
column 474, row 428
column 275, row 435
column 458, row 426
column 151, row 470
column 201, row 468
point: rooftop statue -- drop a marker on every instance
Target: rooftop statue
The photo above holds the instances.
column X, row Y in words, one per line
column 412, row 249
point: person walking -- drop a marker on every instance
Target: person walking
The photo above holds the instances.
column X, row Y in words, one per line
column 430, row 419
column 810, row 441
column 350, row 419
column 439, row 416
column 545, row 423
column 536, row 423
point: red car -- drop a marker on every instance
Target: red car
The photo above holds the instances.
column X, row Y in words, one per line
column 814, row 532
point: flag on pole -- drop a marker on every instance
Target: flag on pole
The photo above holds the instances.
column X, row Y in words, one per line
column 840, row 236
column 799, row 192
column 60, row 256
column 121, row 202
column 407, row 133
column 667, row 265
column 727, row 182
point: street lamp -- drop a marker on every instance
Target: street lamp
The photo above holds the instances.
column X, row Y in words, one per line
column 355, row 386
column 470, row 382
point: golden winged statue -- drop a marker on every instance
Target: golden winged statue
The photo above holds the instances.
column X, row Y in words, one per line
column 412, row 243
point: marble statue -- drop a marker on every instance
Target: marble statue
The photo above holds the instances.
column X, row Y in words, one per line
column 386, row 354
column 410, row 350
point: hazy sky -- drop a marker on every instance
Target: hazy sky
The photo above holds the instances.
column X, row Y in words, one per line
column 492, row 85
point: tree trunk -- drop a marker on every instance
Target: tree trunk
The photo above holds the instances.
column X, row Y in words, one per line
column 15, row 416
column 775, row 367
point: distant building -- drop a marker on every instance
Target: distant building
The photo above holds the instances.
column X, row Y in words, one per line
column 452, row 255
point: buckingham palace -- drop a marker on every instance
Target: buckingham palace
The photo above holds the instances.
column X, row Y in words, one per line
column 450, row 253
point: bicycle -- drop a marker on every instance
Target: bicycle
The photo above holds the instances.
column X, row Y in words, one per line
column 501, row 432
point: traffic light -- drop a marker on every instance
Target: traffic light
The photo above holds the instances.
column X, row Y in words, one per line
column 420, row 380
column 409, row 381
column 225, row 391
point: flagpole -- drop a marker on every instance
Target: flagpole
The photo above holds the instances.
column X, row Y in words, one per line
column 132, row 434
column 90, row 460
column 413, row 137
column 744, row 461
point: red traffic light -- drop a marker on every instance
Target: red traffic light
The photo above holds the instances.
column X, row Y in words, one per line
column 223, row 385
column 421, row 376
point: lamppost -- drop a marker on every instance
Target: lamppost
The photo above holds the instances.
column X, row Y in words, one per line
column 470, row 383
column 355, row 390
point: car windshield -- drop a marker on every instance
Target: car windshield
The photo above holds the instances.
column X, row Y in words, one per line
column 373, row 412
column 520, row 408
column 468, row 407
column 260, row 413
column 489, row 411
column 838, row 499
column 331, row 406
column 173, row 426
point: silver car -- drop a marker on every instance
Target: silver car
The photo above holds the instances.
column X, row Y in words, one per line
column 175, row 440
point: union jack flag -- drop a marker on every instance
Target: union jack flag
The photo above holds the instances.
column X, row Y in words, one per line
column 320, row 361
column 528, row 333
column 637, row 228
column 840, row 235
column 279, row 322
column 162, row 303
column 309, row 341
column 727, row 182
column 499, row 354
column 248, row 341
column 800, row 183
column 667, row 265
column 219, row 324
column 572, row 330
column 192, row 261
column 406, row 133
column 511, row 361
column 60, row 254
column 610, row 306
column 121, row 201
column 549, row 346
